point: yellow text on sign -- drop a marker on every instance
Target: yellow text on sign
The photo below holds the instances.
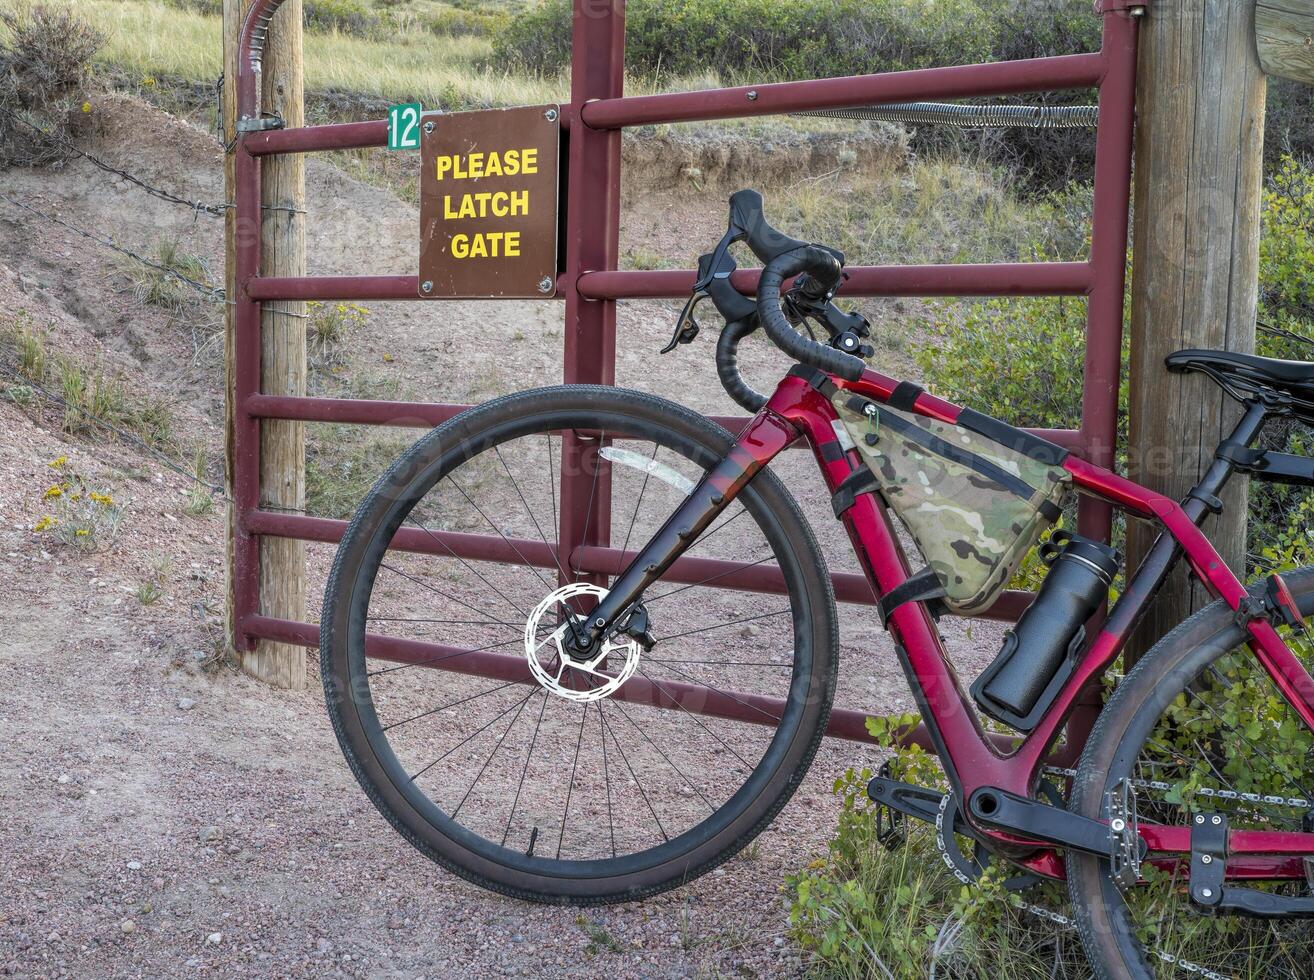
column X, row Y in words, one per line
column 487, row 245
column 485, row 204
column 472, row 166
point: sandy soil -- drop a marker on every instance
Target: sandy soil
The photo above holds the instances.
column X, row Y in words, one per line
column 165, row 815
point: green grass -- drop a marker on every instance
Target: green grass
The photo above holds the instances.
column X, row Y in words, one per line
column 153, row 40
column 88, row 392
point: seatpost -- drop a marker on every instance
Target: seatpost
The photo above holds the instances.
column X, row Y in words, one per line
column 1246, row 430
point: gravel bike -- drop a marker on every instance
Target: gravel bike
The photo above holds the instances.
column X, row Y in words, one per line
column 601, row 728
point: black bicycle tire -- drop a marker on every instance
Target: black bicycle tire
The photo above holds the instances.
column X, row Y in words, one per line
column 1106, row 933
column 426, row 455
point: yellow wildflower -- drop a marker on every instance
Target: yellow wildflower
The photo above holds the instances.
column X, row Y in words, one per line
column 86, row 107
column 58, row 463
column 148, row 81
column 45, row 524
column 104, row 499
column 81, row 532
column 54, row 491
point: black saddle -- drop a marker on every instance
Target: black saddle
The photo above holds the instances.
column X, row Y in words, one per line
column 1248, row 371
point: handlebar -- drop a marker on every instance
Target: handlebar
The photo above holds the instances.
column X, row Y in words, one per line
column 818, row 270
column 824, row 269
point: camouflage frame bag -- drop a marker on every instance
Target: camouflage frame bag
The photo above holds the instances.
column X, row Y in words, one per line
column 974, row 505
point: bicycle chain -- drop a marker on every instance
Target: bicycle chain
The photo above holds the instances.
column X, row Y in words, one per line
column 1067, row 922
column 1296, row 802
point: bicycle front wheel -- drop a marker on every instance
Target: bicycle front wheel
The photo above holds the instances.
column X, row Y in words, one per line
column 1196, row 726
column 483, row 741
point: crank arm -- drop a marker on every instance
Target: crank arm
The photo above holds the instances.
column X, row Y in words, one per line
column 1033, row 820
column 912, row 801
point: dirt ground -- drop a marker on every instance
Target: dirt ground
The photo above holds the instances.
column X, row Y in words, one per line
column 164, row 815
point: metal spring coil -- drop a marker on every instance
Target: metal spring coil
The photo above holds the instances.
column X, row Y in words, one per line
column 981, row 116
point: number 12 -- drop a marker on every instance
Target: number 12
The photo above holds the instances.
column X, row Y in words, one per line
column 404, row 127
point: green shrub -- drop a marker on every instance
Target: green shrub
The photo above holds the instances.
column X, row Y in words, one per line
column 767, row 39
column 45, row 66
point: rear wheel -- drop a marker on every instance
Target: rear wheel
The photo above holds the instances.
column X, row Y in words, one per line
column 1196, row 726
column 474, row 730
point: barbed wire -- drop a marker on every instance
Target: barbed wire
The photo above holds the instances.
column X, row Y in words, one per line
column 199, row 207
column 214, row 292
column 216, row 210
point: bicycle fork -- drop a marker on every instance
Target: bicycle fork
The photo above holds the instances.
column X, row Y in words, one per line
column 764, row 436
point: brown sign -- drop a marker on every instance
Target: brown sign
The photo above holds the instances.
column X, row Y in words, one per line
column 488, row 202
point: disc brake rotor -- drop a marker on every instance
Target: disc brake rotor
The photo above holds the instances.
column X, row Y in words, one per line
column 559, row 668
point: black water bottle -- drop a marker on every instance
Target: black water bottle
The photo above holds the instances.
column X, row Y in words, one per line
column 1041, row 651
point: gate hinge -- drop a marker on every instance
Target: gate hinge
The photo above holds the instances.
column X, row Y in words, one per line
column 1136, row 8
column 259, row 125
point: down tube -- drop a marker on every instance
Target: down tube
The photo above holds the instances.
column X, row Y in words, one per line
column 953, row 726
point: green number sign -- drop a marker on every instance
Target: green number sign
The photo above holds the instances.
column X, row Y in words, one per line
column 404, row 126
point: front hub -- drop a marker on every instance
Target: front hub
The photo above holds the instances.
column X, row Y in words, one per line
column 559, row 666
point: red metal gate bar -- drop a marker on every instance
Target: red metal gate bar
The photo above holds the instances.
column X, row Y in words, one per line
column 985, row 279
column 367, row 411
column 695, row 698
column 994, row 78
column 849, row 586
column 959, row 279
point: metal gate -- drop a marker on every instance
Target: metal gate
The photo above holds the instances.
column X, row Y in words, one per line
column 590, row 285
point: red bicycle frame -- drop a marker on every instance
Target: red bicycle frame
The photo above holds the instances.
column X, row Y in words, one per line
column 973, row 758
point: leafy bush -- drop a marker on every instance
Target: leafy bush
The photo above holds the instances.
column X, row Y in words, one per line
column 865, row 910
column 771, row 40
column 1021, row 360
column 45, row 64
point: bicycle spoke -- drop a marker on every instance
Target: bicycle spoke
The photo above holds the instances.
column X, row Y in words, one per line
column 638, row 785
column 710, row 687
column 593, row 489
column 521, row 785
column 450, row 704
column 444, row 622
column 710, row 578
column 498, row 531
column 647, row 475
column 466, row 564
column 657, row 684
column 570, row 786
column 680, row 772
column 432, row 588
column 721, row 626
column 611, row 823
column 496, row 745
column 479, row 731
column 442, row 658
column 542, row 537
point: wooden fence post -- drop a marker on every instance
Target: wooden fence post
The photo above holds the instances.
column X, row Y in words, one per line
column 1195, row 240
column 283, row 337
